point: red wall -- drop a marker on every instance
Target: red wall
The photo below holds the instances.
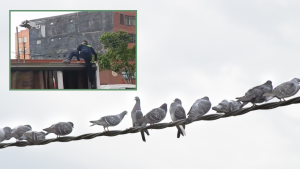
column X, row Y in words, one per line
column 126, row 28
column 22, row 34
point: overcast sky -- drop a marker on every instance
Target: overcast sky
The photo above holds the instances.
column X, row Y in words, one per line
column 188, row 50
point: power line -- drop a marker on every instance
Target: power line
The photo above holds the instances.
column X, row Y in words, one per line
column 266, row 106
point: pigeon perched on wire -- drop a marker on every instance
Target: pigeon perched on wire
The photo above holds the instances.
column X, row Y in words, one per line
column 198, row 109
column 108, row 121
column 136, row 114
column 18, row 132
column 33, row 136
column 154, row 116
column 177, row 112
column 60, row 129
column 255, row 95
column 284, row 90
column 4, row 132
column 227, row 106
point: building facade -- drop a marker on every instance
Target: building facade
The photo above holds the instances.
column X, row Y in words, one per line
column 54, row 37
column 23, row 43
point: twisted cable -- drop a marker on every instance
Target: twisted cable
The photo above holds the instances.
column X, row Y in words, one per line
column 216, row 116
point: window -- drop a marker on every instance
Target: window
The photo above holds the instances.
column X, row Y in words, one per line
column 71, row 20
column 38, row 42
column 25, row 39
column 130, row 20
column 71, row 37
column 132, row 37
column 20, row 40
column 121, row 19
column 25, row 51
column 51, row 23
column 52, row 40
column 20, row 50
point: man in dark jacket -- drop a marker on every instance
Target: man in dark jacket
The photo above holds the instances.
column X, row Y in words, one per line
column 85, row 52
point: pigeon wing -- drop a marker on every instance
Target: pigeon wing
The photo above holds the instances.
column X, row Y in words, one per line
column 179, row 113
column 154, row 115
column 112, row 120
column 63, row 128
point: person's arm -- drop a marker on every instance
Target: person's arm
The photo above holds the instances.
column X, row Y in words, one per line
column 79, row 47
column 94, row 53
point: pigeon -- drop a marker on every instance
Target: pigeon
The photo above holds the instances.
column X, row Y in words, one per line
column 198, row 109
column 18, row 132
column 4, row 133
column 154, row 116
column 177, row 113
column 136, row 114
column 33, row 136
column 60, row 129
column 284, row 90
column 255, row 95
column 227, row 107
column 111, row 120
column 25, row 24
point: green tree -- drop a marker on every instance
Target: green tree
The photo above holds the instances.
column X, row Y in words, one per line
column 117, row 56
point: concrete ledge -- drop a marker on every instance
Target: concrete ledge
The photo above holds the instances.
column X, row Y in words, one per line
column 48, row 66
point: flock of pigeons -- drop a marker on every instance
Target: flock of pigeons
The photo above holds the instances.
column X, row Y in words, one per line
column 258, row 94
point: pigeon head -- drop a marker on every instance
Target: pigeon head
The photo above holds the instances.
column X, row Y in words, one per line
column 28, row 126
column 137, row 98
column 205, row 98
column 164, row 107
column 122, row 114
column 269, row 82
column 7, row 130
column 297, row 80
column 178, row 101
column 71, row 124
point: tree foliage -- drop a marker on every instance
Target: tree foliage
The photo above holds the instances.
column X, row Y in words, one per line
column 117, row 56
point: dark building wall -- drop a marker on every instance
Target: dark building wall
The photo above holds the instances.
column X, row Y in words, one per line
column 61, row 34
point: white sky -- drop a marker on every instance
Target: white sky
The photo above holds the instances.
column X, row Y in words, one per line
column 188, row 50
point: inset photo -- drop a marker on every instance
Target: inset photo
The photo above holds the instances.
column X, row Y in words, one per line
column 63, row 49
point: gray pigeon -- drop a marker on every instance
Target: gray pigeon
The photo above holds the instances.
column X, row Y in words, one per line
column 111, row 120
column 33, row 136
column 4, row 132
column 284, row 90
column 227, row 107
column 136, row 114
column 255, row 95
column 177, row 113
column 198, row 109
column 154, row 116
column 18, row 132
column 60, row 129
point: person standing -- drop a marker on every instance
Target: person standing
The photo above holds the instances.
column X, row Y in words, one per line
column 84, row 51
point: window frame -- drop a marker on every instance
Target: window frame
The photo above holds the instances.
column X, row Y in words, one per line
column 128, row 21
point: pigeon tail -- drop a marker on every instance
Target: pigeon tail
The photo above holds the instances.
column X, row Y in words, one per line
column 143, row 135
column 93, row 123
column 47, row 130
column 179, row 132
column 269, row 96
column 182, row 130
column 245, row 98
column 146, row 131
column 242, row 105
